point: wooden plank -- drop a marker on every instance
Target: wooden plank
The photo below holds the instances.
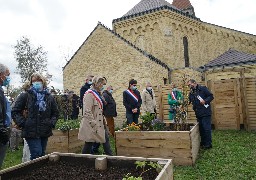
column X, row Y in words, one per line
column 180, row 135
column 148, row 143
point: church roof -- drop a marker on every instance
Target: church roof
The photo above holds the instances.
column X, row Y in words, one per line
column 232, row 57
column 181, row 4
column 145, row 5
column 149, row 6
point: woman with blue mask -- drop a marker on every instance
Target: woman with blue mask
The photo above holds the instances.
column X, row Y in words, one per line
column 42, row 115
column 93, row 128
column 132, row 102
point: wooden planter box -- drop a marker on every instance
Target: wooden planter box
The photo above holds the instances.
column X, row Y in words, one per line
column 181, row 146
column 64, row 141
column 99, row 162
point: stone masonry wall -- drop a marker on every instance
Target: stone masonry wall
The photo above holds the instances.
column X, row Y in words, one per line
column 105, row 54
column 161, row 34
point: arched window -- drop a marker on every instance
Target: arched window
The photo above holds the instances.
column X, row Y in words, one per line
column 186, row 56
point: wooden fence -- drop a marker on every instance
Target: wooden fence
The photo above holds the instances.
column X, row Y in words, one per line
column 234, row 103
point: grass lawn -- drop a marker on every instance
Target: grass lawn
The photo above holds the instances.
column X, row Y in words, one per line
column 233, row 156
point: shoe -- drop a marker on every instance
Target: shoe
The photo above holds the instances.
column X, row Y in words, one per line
column 206, row 147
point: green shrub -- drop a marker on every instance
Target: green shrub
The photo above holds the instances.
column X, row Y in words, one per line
column 67, row 125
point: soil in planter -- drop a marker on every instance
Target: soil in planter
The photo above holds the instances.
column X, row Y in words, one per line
column 170, row 127
column 63, row 170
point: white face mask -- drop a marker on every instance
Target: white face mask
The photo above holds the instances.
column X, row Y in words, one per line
column 149, row 88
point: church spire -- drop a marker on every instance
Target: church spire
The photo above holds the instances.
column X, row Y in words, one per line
column 185, row 6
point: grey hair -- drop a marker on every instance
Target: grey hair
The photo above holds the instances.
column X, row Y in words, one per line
column 3, row 68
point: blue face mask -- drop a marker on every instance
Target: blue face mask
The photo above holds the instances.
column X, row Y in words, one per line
column 110, row 91
column 6, row 81
column 103, row 87
column 89, row 82
column 134, row 88
column 38, row 86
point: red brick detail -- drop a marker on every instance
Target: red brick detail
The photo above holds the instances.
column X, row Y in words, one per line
column 181, row 4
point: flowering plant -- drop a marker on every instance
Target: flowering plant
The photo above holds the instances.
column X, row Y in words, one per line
column 132, row 127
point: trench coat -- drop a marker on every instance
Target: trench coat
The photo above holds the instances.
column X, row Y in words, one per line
column 148, row 103
column 92, row 125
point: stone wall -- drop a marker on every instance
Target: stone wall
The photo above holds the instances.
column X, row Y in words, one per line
column 161, row 34
column 103, row 53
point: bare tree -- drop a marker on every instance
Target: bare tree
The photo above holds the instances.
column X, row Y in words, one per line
column 30, row 59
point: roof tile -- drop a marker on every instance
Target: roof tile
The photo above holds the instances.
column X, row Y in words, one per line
column 145, row 5
column 232, row 56
column 181, row 4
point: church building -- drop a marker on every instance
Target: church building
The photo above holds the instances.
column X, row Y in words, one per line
column 158, row 41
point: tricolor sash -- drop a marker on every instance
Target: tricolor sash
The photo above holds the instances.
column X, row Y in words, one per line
column 173, row 96
column 132, row 95
column 96, row 96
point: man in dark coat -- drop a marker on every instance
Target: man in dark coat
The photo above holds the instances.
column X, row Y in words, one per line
column 84, row 88
column 109, row 110
column 201, row 97
column 5, row 113
column 132, row 102
column 75, row 105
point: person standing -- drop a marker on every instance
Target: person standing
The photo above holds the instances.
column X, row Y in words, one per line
column 42, row 115
column 75, row 105
column 132, row 102
column 148, row 100
column 174, row 99
column 109, row 110
column 93, row 128
column 5, row 113
column 200, row 97
column 84, row 88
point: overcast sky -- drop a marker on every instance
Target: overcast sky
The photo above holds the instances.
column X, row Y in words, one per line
column 61, row 26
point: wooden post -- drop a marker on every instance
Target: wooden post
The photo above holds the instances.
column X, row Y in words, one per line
column 161, row 115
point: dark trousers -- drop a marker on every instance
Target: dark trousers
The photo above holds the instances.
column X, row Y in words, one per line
column 132, row 117
column 205, row 130
column 37, row 147
column 88, row 146
column 3, row 149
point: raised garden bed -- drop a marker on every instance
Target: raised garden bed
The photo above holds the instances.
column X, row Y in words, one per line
column 181, row 146
column 59, row 166
column 64, row 141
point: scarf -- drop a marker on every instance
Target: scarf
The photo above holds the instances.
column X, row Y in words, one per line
column 40, row 102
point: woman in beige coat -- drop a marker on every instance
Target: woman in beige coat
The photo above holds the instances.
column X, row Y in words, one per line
column 148, row 99
column 93, row 127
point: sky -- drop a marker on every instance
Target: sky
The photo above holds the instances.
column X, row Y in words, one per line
column 61, row 26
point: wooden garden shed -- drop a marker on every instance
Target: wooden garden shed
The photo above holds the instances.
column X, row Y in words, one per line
column 232, row 79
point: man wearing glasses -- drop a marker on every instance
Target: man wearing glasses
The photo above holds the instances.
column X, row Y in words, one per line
column 132, row 102
column 201, row 97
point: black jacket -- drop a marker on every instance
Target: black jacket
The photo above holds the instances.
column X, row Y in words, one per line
column 2, row 108
column 130, row 103
column 201, row 110
column 110, row 108
column 36, row 124
column 83, row 89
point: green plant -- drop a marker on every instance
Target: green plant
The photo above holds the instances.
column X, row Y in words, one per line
column 142, row 165
column 65, row 125
column 147, row 121
column 157, row 125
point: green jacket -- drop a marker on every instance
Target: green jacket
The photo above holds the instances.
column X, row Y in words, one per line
column 172, row 101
